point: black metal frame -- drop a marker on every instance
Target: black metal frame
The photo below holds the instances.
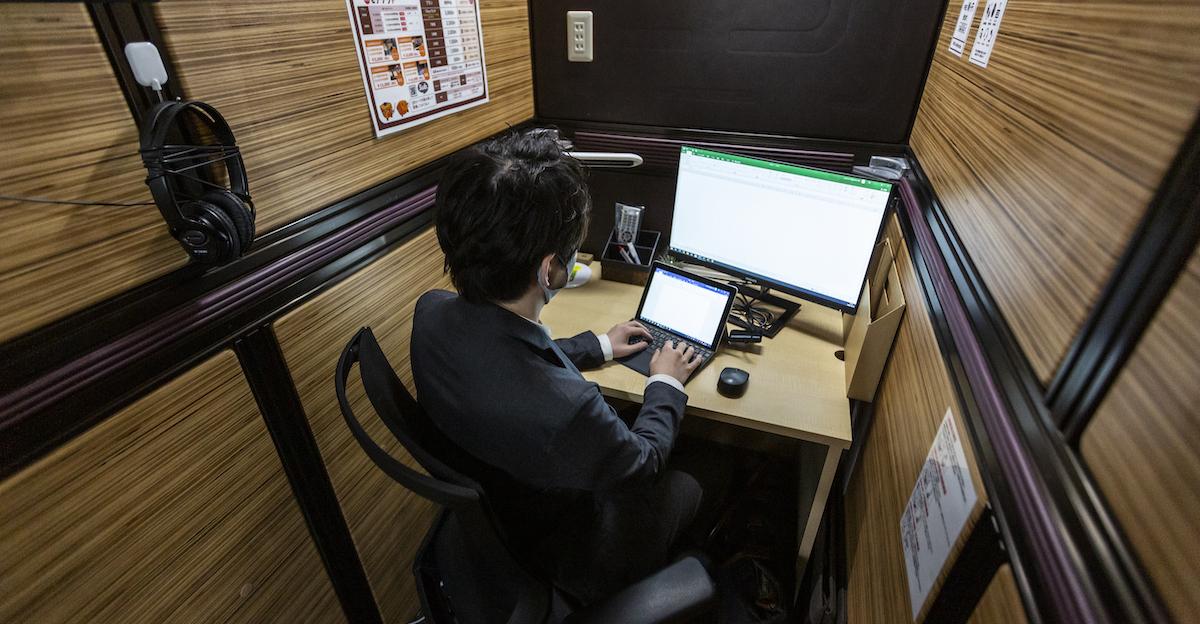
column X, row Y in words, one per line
column 275, row 392
column 1155, row 257
column 972, row 573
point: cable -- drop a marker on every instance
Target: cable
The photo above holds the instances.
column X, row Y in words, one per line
column 74, row 203
column 755, row 317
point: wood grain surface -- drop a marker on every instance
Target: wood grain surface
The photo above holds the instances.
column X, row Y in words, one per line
column 912, row 399
column 799, row 385
column 1141, row 446
column 175, row 509
column 68, row 135
column 1046, row 159
column 386, row 521
column 287, row 79
column 1001, row 602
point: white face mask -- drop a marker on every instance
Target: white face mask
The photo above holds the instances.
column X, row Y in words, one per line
column 543, row 280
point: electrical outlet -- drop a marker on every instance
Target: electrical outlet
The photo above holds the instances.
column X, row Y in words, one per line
column 579, row 36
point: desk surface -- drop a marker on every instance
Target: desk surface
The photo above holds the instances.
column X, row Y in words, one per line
column 797, row 386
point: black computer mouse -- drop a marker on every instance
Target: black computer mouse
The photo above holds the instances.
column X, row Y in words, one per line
column 732, row 382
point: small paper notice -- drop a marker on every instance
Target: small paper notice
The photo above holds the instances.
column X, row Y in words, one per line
column 989, row 25
column 965, row 16
column 937, row 511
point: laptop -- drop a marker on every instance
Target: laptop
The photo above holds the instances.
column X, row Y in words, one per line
column 683, row 307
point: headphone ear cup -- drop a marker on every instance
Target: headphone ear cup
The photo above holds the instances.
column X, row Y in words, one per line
column 213, row 237
column 236, row 210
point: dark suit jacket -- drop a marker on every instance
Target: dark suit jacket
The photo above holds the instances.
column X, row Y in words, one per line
column 498, row 387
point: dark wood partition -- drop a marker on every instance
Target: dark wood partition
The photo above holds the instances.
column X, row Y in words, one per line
column 387, row 522
column 913, row 396
column 1064, row 176
column 288, row 82
column 98, row 311
column 820, row 69
column 68, row 135
column 1046, row 159
column 174, row 509
column 1141, row 447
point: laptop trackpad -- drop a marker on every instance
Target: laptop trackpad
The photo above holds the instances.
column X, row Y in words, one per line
column 640, row 362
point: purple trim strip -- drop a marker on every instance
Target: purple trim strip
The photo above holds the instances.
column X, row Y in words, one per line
column 669, row 148
column 1050, row 551
column 209, row 310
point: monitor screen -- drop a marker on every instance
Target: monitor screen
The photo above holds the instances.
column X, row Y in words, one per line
column 805, row 232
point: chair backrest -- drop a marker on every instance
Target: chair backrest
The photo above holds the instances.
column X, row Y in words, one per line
column 406, row 420
column 391, row 401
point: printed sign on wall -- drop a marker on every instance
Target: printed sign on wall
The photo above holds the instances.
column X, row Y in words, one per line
column 937, row 511
column 965, row 16
column 420, row 59
column 989, row 27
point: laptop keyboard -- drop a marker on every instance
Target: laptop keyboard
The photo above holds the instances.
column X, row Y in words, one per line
column 662, row 336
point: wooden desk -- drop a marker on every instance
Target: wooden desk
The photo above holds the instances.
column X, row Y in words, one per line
column 797, row 386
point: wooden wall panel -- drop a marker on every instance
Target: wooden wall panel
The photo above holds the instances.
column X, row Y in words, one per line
column 912, row 399
column 68, row 135
column 1142, row 448
column 1046, row 159
column 176, row 509
column 1001, row 602
column 386, row 521
column 286, row 78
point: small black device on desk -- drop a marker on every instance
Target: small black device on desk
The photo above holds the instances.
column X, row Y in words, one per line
column 681, row 307
column 732, row 382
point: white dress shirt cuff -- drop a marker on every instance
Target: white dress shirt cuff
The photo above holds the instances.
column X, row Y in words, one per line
column 605, row 346
column 667, row 379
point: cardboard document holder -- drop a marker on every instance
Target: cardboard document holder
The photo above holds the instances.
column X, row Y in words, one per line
column 869, row 334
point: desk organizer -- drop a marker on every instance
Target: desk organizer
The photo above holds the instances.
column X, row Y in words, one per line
column 615, row 268
column 869, row 334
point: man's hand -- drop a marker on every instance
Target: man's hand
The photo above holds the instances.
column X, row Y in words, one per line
column 619, row 337
column 675, row 360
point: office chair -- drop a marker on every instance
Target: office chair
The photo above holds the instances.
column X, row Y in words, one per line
column 464, row 570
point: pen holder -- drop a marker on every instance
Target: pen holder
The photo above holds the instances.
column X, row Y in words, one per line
column 616, row 268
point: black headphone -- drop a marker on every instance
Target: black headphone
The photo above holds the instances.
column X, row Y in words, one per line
column 213, row 222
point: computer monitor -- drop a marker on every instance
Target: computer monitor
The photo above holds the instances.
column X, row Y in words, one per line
column 801, row 231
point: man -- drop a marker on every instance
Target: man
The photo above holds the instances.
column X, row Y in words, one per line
column 586, row 495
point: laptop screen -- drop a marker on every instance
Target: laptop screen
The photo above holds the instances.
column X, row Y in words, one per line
column 686, row 306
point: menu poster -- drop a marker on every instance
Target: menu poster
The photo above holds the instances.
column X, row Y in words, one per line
column 420, row 59
column 936, row 512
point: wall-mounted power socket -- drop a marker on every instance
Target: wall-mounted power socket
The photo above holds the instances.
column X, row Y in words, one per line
column 579, row 36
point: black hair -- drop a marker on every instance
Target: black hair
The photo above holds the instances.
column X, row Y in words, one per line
column 505, row 204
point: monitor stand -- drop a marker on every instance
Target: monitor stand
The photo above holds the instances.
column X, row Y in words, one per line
column 784, row 309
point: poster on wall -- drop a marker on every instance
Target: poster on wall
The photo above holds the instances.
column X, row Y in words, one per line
column 936, row 513
column 420, row 59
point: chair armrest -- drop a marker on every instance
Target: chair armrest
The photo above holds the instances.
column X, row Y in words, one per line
column 673, row 594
